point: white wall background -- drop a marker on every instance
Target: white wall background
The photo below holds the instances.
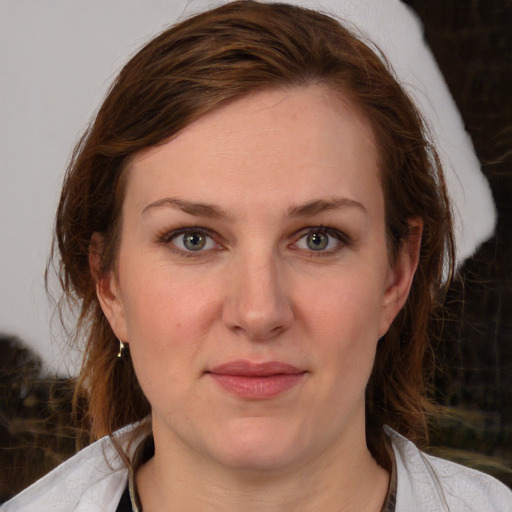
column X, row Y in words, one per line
column 57, row 58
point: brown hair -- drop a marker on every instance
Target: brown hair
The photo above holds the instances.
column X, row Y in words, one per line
column 193, row 68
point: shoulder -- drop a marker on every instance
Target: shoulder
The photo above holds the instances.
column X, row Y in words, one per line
column 91, row 480
column 429, row 483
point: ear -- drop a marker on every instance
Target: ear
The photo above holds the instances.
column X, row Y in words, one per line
column 107, row 289
column 401, row 276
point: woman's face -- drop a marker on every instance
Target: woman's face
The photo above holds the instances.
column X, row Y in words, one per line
column 253, row 283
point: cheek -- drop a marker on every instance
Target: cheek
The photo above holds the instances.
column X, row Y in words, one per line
column 343, row 321
column 347, row 305
column 160, row 300
column 167, row 320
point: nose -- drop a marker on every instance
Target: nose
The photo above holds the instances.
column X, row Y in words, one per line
column 257, row 302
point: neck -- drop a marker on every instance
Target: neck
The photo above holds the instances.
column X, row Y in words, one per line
column 343, row 479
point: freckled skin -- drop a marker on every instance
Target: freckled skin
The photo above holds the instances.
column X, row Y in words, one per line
column 257, row 291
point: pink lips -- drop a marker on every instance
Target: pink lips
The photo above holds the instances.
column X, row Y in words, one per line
column 256, row 380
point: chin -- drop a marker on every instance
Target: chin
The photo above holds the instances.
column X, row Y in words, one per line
column 256, row 445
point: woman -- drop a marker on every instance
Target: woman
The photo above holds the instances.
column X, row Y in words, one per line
column 258, row 231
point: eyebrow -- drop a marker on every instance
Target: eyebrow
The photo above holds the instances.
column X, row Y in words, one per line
column 191, row 207
column 308, row 209
column 318, row 206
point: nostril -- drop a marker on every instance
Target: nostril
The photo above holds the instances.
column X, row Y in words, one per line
column 258, row 326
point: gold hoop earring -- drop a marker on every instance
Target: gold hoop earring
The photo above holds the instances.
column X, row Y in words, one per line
column 121, row 348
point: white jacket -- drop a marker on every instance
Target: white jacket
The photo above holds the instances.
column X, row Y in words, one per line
column 95, row 478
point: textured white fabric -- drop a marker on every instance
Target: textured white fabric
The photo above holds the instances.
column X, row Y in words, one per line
column 430, row 484
column 95, row 478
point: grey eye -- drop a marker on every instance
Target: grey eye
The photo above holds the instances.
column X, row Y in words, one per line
column 317, row 241
column 321, row 240
column 194, row 241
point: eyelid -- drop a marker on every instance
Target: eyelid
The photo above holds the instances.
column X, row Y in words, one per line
column 167, row 237
column 169, row 234
column 342, row 238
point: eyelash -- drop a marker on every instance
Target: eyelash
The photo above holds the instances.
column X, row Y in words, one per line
column 166, row 238
column 342, row 240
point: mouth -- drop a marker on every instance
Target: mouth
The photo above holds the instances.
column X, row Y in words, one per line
column 250, row 380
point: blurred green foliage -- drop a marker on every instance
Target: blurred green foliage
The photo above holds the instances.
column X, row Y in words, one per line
column 37, row 428
column 475, row 439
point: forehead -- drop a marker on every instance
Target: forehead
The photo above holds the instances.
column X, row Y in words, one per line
column 278, row 145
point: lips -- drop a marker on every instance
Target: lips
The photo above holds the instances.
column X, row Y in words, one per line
column 256, row 380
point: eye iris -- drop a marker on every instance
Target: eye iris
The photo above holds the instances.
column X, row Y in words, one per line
column 194, row 241
column 317, row 241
